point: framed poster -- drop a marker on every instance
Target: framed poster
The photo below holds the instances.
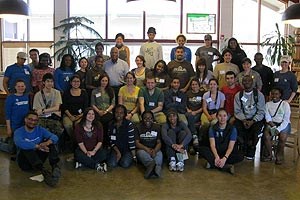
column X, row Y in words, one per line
column 201, row 23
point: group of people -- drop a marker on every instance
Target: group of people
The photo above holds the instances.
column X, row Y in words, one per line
column 114, row 116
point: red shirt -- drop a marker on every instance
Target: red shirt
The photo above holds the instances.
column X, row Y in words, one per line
column 229, row 97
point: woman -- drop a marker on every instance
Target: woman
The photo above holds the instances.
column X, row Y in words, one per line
column 160, row 73
column 75, row 101
column 278, row 123
column 194, row 108
column 83, row 64
column 39, row 71
column 221, row 152
column 257, row 82
column 121, row 133
column 181, row 40
column 238, row 54
column 203, row 74
column 148, row 143
column 208, row 52
column 89, row 137
column 128, row 96
column 141, row 71
column 124, row 52
column 176, row 135
column 103, row 102
column 212, row 101
column 286, row 80
column 17, row 106
column 63, row 74
column 221, row 68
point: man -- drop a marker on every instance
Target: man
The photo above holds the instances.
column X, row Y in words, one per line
column 249, row 111
column 47, row 104
column 15, row 72
column 99, row 52
column 116, row 69
column 181, row 68
column 34, row 56
column 35, row 144
column 229, row 90
column 208, row 53
column 151, row 50
column 176, row 100
column 152, row 99
column 265, row 73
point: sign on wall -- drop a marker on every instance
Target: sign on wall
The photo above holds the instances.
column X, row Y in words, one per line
column 201, row 23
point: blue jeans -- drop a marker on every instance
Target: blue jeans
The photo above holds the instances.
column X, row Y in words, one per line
column 90, row 162
column 192, row 119
column 125, row 161
column 146, row 158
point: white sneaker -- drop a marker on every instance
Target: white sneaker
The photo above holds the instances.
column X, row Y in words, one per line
column 180, row 166
column 172, row 165
column 104, row 167
column 99, row 168
column 78, row 165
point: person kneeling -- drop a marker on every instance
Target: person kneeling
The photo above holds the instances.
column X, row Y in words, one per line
column 222, row 153
column 34, row 145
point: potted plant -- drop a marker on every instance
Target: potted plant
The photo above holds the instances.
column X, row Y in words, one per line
column 278, row 45
column 78, row 45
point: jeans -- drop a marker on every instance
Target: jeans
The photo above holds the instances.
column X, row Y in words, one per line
column 125, row 161
column 90, row 162
column 146, row 158
column 34, row 159
column 192, row 119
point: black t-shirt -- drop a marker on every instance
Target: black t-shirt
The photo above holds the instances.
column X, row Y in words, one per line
column 148, row 137
column 194, row 100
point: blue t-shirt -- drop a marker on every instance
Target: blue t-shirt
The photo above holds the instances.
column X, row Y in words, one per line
column 15, row 72
column 16, row 108
column 187, row 54
column 62, row 78
column 219, row 133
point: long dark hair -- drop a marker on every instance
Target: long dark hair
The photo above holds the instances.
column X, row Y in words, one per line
column 238, row 48
column 108, row 89
column 165, row 67
column 95, row 123
column 201, row 61
column 63, row 64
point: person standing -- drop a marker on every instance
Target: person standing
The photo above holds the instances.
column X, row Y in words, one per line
column 15, row 72
column 238, row 54
column 181, row 40
column 151, row 50
column 124, row 52
column 34, row 56
column 99, row 48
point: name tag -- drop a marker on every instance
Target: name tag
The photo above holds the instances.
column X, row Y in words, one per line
column 222, row 72
column 154, row 133
column 178, row 99
column 276, row 79
column 80, row 111
column 198, row 98
column 98, row 95
column 67, row 78
column 244, row 99
column 151, row 104
column 210, row 53
column 285, row 80
column 113, row 137
column 208, row 100
column 26, row 72
column 161, row 80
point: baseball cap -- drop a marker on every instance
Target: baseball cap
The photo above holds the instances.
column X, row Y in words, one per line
column 151, row 30
column 207, row 37
column 285, row 58
column 22, row 55
column 246, row 60
column 171, row 111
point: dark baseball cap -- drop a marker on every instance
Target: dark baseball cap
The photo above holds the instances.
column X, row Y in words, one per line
column 151, row 30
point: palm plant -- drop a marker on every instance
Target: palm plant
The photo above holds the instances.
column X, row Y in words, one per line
column 78, row 46
column 278, row 45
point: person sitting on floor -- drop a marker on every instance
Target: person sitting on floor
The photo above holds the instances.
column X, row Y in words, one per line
column 221, row 153
column 176, row 136
column 34, row 145
column 89, row 137
column 278, row 123
column 148, row 145
column 121, row 133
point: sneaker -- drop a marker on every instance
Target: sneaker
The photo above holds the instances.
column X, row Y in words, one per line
column 180, row 166
column 172, row 165
column 99, row 168
column 207, row 165
column 149, row 169
column 56, row 173
column 157, row 171
column 78, row 165
column 48, row 178
column 249, row 157
column 228, row 168
column 195, row 140
column 104, row 167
